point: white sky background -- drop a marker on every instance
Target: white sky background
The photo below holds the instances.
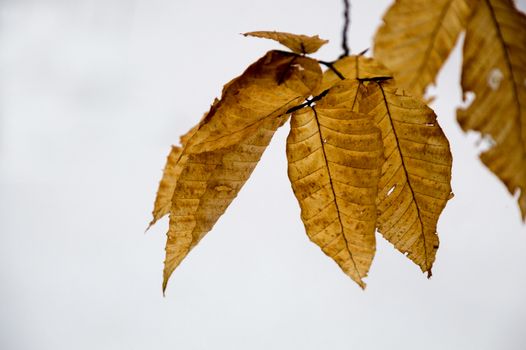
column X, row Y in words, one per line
column 92, row 95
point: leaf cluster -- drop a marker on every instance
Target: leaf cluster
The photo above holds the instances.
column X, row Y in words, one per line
column 363, row 155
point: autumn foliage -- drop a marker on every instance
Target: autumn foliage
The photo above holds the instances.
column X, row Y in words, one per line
column 365, row 153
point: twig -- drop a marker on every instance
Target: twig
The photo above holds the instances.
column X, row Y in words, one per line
column 330, row 65
column 346, row 23
column 308, row 102
column 376, row 79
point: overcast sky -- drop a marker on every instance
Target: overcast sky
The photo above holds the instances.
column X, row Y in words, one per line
column 92, row 95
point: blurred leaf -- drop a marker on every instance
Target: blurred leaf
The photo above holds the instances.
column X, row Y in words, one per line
column 417, row 37
column 494, row 68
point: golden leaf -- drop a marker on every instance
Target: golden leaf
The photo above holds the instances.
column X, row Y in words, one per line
column 417, row 37
column 494, row 68
column 267, row 89
column 220, row 153
column 415, row 181
column 300, row 44
column 335, row 157
column 174, row 165
column 206, row 186
column 163, row 200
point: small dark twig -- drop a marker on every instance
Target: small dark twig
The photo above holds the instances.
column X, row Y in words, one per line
column 377, row 79
column 309, row 102
column 363, row 52
column 346, row 23
column 330, row 65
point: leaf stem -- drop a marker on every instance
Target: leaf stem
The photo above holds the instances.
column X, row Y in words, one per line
column 330, row 65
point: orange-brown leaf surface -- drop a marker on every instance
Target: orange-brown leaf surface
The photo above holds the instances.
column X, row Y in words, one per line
column 163, row 201
column 415, row 180
column 221, row 152
column 300, row 44
column 335, row 157
column 207, row 185
column 174, row 165
column 267, row 89
column 494, row 68
column 417, row 37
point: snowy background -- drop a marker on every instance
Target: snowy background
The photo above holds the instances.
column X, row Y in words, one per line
column 92, row 95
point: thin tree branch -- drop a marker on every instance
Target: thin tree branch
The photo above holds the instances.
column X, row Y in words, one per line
column 376, row 79
column 346, row 24
column 330, row 65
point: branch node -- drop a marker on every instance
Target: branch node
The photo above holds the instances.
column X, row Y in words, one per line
column 308, row 102
column 330, row 65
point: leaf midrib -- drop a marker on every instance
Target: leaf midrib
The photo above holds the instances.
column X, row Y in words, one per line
column 511, row 70
column 428, row 268
column 335, row 197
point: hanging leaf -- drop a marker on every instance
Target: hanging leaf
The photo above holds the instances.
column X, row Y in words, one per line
column 221, row 152
column 415, row 180
column 417, row 37
column 494, row 68
column 335, row 156
column 267, row 89
column 300, row 44
column 207, row 185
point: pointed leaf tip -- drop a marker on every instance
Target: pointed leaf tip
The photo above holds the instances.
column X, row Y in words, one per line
column 298, row 43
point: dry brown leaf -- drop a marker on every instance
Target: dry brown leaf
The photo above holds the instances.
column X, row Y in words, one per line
column 174, row 165
column 220, row 153
column 415, row 182
column 267, row 89
column 335, row 157
column 300, row 44
column 353, row 67
column 494, row 68
column 417, row 37
column 163, row 200
column 206, row 187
